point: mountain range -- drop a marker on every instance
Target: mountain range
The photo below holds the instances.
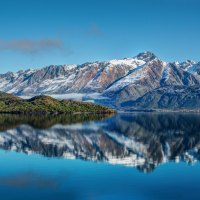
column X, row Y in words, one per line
column 123, row 84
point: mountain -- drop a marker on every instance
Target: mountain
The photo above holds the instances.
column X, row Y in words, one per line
column 110, row 83
column 140, row 140
column 169, row 97
column 45, row 104
column 190, row 66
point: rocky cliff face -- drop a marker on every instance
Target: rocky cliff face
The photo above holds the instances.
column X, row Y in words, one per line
column 117, row 81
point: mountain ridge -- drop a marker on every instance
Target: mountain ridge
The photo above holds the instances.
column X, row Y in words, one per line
column 107, row 82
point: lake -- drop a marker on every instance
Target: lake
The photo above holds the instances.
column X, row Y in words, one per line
column 140, row 156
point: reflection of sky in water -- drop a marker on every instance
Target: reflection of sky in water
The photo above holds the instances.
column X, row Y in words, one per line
column 143, row 137
column 31, row 177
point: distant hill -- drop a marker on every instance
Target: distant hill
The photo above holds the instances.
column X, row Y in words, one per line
column 45, row 104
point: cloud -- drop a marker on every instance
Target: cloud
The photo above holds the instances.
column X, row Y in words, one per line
column 94, row 30
column 33, row 46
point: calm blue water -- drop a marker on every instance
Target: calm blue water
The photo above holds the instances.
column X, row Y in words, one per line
column 127, row 156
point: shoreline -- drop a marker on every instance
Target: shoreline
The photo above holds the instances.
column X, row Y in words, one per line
column 54, row 113
column 99, row 113
column 159, row 111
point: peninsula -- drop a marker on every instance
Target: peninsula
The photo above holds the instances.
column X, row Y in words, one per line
column 47, row 105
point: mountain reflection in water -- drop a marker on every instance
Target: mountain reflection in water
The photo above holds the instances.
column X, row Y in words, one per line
column 141, row 140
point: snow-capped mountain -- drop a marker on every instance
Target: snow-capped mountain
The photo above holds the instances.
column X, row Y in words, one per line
column 190, row 66
column 112, row 82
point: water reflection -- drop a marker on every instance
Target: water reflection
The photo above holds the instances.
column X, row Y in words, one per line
column 142, row 140
column 8, row 121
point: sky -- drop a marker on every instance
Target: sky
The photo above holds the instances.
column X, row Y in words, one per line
column 38, row 33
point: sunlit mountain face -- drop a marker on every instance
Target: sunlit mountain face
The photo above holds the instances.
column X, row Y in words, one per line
column 140, row 140
column 121, row 83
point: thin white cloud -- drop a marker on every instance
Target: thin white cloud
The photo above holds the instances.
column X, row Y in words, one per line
column 33, row 46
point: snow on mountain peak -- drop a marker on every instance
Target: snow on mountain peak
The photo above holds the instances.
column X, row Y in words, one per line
column 70, row 67
column 186, row 64
column 146, row 56
column 140, row 59
column 127, row 61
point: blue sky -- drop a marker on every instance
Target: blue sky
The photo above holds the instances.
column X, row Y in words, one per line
column 37, row 33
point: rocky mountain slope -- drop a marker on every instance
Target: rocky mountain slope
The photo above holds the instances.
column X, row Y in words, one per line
column 112, row 82
column 168, row 97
